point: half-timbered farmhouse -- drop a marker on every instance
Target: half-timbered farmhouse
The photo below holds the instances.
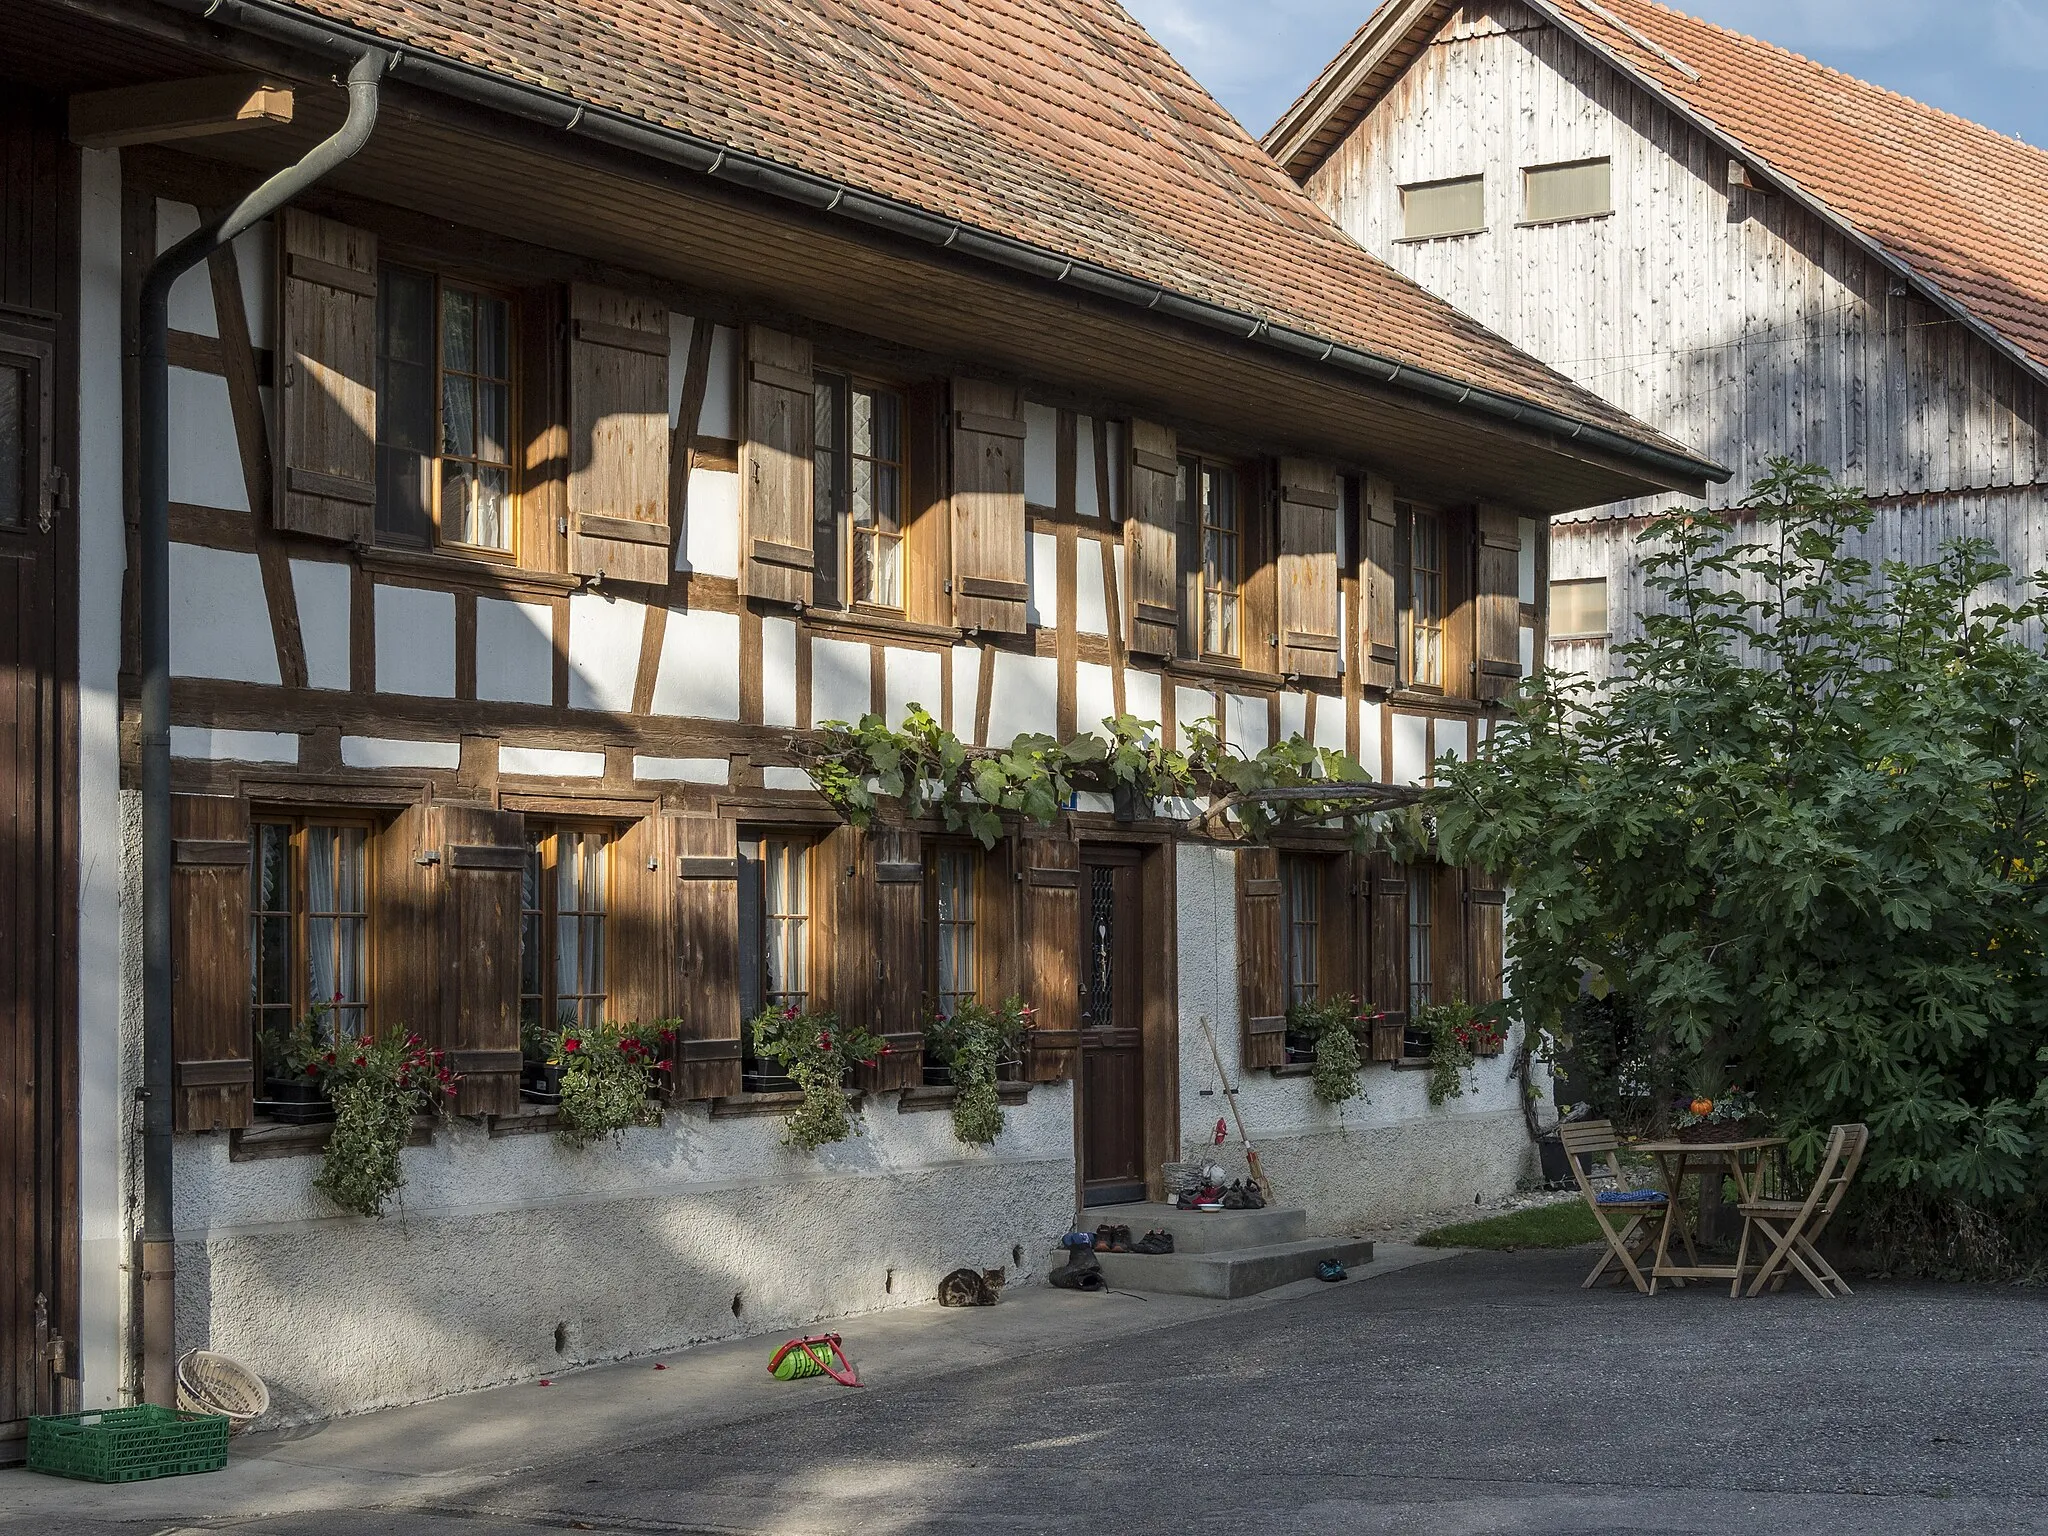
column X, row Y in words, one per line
column 604, row 396
column 1754, row 253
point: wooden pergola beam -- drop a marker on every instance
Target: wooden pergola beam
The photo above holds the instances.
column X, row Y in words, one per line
column 177, row 109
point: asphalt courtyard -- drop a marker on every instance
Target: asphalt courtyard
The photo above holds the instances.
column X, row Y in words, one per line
column 1478, row 1393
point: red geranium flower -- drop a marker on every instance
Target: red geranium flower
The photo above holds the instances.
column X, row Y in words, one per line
column 571, row 1044
column 313, row 1068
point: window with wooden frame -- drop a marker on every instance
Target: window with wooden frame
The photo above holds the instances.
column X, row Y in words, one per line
column 563, row 899
column 444, row 412
column 1209, row 512
column 776, row 926
column 1420, row 581
column 309, row 924
column 953, row 926
column 1579, row 189
column 26, row 433
column 1578, row 609
column 1422, row 880
column 857, row 494
column 1432, row 210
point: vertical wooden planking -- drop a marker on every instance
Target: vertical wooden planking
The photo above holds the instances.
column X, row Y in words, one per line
column 1310, row 496
column 210, row 1026
column 1261, row 973
column 990, row 584
column 775, row 468
column 1049, row 940
column 707, row 942
column 326, row 462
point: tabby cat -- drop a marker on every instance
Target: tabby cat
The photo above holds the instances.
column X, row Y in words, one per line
column 971, row 1288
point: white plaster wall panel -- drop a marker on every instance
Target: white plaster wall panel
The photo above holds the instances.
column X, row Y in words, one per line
column 1094, row 801
column 191, row 302
column 1041, row 455
column 604, row 651
column 1123, row 602
column 415, row 641
column 1094, row 697
column 1371, row 723
column 913, row 677
column 1091, row 611
column 322, row 590
column 1529, row 531
column 1191, row 705
column 1116, row 475
column 1024, row 698
column 842, row 679
column 234, row 746
column 778, row 672
column 681, row 328
column 1330, row 722
column 206, row 462
column 1041, row 579
column 1454, row 737
column 682, row 770
column 1411, row 749
column 1087, row 494
column 1141, row 695
column 220, row 623
column 710, row 544
column 1246, row 725
column 1525, row 650
column 720, row 415
column 966, row 690
column 785, row 778
column 515, row 651
column 1293, row 715
column 699, row 673
column 390, row 752
column 256, row 260
column 550, row 762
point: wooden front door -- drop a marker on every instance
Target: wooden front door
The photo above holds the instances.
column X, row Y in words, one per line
column 1112, row 1080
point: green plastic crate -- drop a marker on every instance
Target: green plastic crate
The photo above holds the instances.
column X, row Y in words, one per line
column 126, row 1445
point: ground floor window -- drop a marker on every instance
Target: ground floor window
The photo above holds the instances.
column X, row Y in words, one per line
column 309, row 916
column 1422, row 881
column 775, row 940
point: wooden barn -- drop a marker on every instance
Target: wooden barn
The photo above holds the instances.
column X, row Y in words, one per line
column 1756, row 254
column 424, row 573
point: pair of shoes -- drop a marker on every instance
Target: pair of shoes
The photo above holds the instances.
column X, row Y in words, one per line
column 1233, row 1197
column 1110, row 1239
column 1158, row 1240
column 1330, row 1269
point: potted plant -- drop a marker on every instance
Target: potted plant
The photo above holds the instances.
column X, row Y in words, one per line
column 293, row 1063
column 818, row 1056
column 377, row 1087
column 976, row 1043
column 1731, row 1115
column 540, row 1063
column 1458, row 1035
column 1329, row 1030
column 607, row 1082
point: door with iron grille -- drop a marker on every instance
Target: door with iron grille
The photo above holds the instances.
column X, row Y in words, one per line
column 1112, row 1079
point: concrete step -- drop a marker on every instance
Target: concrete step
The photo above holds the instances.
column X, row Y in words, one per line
column 1230, row 1272
column 1205, row 1231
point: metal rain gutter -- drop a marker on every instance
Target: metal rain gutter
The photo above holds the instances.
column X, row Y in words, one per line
column 286, row 24
column 153, row 411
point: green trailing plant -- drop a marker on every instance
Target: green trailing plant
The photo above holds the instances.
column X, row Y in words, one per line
column 377, row 1087
column 1330, row 1026
column 975, row 1041
column 1294, row 763
column 1459, row 1034
column 608, row 1077
column 1803, row 833
column 302, row 1052
column 818, row 1054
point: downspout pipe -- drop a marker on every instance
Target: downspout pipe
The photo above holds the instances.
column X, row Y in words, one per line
column 154, row 569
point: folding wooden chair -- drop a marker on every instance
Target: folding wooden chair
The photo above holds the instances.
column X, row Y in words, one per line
column 1794, row 1226
column 1646, row 1209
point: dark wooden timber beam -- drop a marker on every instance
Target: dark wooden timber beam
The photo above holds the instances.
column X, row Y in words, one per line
column 177, row 109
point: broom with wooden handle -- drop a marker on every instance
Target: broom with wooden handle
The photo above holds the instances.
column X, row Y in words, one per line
column 1251, row 1153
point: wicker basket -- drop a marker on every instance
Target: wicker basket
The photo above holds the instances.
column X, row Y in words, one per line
column 1181, row 1178
column 214, row 1383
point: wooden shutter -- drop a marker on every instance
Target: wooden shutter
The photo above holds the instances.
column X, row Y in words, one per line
column 989, row 579
column 1151, row 553
column 326, row 460
column 640, row 952
column 1388, row 982
column 1310, row 635
column 445, row 917
column 707, row 941
column 1261, row 975
column 892, row 874
column 1049, row 928
column 213, row 1070
column 1498, row 589
column 1378, row 632
column 618, row 436
column 1447, row 935
column 1486, row 937
column 775, row 468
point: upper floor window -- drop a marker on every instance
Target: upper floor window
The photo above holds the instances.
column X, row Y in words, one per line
column 444, row 412
column 562, row 905
column 1433, row 209
column 1578, row 609
column 1420, row 584
column 857, row 491
column 1208, row 509
column 309, row 915
column 1583, row 189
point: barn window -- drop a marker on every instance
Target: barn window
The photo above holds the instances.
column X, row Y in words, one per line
column 1432, row 210
column 562, row 904
column 857, row 489
column 1583, row 189
column 309, row 916
column 1578, row 609
column 444, row 412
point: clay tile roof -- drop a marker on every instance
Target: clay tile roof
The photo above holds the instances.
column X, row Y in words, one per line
column 1061, row 123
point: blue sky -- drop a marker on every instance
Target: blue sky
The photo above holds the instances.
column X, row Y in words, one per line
column 1983, row 59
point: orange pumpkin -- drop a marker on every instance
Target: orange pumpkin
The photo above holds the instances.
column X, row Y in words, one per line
column 1703, row 1106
